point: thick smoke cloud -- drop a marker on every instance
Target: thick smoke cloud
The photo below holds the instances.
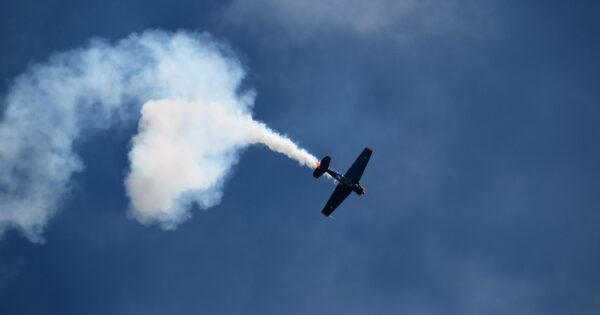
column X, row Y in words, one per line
column 194, row 121
column 184, row 150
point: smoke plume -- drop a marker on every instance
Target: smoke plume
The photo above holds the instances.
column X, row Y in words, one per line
column 183, row 89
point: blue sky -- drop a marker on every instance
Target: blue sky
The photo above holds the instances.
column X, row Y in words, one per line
column 483, row 189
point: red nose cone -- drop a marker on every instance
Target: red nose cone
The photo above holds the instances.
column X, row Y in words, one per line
column 318, row 164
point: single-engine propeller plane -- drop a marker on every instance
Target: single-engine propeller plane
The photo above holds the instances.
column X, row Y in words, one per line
column 347, row 183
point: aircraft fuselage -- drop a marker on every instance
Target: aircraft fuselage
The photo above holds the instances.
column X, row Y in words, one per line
column 356, row 187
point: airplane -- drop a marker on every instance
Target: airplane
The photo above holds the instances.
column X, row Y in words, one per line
column 347, row 183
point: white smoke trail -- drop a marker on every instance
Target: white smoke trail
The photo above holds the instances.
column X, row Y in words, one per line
column 194, row 121
column 183, row 151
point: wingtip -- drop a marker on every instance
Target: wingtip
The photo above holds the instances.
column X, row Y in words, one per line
column 369, row 148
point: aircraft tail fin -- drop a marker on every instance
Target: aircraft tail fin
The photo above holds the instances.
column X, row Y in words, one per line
column 322, row 167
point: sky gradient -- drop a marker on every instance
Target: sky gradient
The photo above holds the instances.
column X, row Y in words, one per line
column 483, row 188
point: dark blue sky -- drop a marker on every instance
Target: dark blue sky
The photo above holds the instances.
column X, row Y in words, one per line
column 483, row 190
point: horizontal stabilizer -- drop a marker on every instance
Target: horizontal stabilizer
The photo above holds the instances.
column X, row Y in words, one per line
column 322, row 167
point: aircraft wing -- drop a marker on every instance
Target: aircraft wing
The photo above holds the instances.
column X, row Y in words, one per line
column 355, row 171
column 339, row 194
